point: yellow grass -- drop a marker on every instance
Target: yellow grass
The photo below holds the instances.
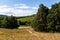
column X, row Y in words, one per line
column 24, row 34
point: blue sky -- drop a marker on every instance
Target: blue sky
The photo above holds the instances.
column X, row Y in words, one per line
column 23, row 7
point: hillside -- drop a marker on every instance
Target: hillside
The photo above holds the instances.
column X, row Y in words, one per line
column 25, row 20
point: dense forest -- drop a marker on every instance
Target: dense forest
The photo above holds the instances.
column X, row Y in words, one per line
column 47, row 20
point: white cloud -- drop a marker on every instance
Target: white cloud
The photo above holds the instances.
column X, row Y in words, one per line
column 34, row 7
column 21, row 6
column 6, row 10
column 23, row 12
column 3, row 6
column 24, row 6
column 49, row 7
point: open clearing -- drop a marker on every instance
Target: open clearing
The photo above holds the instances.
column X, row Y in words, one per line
column 26, row 33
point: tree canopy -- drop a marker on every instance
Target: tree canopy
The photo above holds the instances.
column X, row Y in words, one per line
column 47, row 19
column 8, row 22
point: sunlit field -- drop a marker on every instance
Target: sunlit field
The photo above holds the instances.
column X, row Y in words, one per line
column 26, row 33
column 29, row 20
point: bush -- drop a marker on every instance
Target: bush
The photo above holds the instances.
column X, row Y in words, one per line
column 9, row 22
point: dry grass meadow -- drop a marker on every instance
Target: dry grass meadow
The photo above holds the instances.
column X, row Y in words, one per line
column 26, row 33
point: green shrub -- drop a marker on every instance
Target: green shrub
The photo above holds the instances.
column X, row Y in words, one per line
column 9, row 22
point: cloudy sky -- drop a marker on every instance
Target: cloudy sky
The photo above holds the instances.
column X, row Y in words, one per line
column 23, row 7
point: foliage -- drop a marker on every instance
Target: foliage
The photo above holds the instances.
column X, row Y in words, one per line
column 39, row 22
column 47, row 19
column 25, row 20
column 8, row 22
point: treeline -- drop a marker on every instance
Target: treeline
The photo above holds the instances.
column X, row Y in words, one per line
column 12, row 22
column 47, row 20
column 8, row 22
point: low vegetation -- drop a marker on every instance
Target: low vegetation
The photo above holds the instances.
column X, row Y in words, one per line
column 26, row 20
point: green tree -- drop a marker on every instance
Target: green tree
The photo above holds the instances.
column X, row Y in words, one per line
column 39, row 22
column 4, row 22
column 53, row 18
column 12, row 22
column 9, row 22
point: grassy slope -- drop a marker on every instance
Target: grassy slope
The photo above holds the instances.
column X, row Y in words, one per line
column 23, row 34
column 27, row 19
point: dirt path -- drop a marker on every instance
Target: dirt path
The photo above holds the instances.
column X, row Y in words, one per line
column 32, row 33
column 30, row 30
column 43, row 36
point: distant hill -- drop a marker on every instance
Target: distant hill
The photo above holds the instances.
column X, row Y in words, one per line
column 3, row 15
column 25, row 16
